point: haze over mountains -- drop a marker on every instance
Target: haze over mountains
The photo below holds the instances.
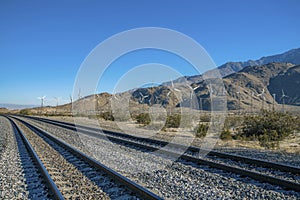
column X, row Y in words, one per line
column 15, row 106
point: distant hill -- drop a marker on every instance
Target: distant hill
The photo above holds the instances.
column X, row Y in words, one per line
column 245, row 86
column 242, row 89
column 291, row 56
column 243, row 82
column 16, row 106
column 4, row 110
column 289, row 83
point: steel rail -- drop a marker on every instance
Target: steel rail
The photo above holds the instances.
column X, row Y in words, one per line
column 258, row 162
column 131, row 185
column 49, row 182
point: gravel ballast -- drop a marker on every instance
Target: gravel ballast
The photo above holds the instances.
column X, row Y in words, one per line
column 171, row 180
column 19, row 176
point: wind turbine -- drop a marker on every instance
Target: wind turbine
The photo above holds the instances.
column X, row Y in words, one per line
column 174, row 87
column 97, row 103
column 57, row 101
column 71, row 99
column 274, row 97
column 211, row 90
column 239, row 98
column 42, row 102
column 156, row 99
column 192, row 91
column 282, row 97
column 252, row 95
column 79, row 93
column 143, row 97
column 177, row 90
column 195, row 88
column 262, row 94
column 71, row 102
column 168, row 94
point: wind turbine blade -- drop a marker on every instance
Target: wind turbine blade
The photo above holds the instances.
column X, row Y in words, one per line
column 195, row 88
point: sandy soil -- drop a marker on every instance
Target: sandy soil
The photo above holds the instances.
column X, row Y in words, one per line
column 290, row 144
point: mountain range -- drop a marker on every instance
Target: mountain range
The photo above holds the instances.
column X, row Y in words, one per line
column 15, row 106
column 248, row 85
column 291, row 56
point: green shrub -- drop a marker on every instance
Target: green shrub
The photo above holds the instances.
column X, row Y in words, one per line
column 205, row 118
column 226, row 135
column 107, row 116
column 25, row 112
column 92, row 116
column 201, row 130
column 269, row 127
column 269, row 140
column 233, row 121
column 173, row 121
column 143, row 118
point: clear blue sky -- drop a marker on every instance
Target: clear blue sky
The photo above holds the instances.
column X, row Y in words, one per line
column 43, row 43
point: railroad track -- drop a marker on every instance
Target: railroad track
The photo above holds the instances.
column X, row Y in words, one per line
column 72, row 174
column 39, row 183
column 284, row 176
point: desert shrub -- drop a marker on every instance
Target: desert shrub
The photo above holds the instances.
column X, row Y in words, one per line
column 92, row 116
column 25, row 112
column 269, row 127
column 205, row 118
column 233, row 121
column 79, row 115
column 201, row 130
column 269, row 139
column 226, row 135
column 173, row 121
column 107, row 116
column 143, row 118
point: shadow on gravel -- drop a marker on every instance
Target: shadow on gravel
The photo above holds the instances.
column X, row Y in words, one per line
column 236, row 177
column 30, row 171
column 85, row 168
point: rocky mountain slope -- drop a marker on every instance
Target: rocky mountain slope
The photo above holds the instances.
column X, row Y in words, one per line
column 291, row 56
column 287, row 83
column 253, row 87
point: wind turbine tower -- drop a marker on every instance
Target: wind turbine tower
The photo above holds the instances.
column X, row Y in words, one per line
column 282, row 97
column 42, row 102
column 239, row 98
column 262, row 95
column 57, row 101
column 274, row 97
column 252, row 96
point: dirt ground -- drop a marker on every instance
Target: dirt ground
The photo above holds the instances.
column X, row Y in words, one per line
column 289, row 145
